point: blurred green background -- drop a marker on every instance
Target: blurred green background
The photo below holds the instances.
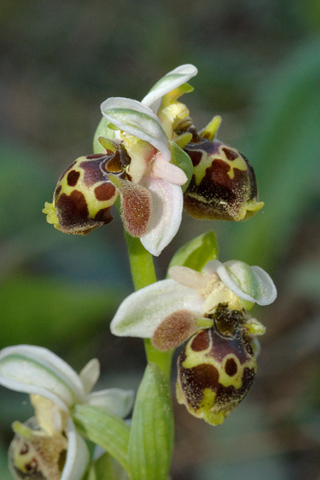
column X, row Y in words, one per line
column 259, row 67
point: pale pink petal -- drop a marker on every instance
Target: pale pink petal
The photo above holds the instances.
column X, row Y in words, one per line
column 189, row 277
column 166, row 213
column 168, row 172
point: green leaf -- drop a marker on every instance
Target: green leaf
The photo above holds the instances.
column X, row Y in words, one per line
column 152, row 429
column 182, row 160
column 197, row 253
column 104, row 429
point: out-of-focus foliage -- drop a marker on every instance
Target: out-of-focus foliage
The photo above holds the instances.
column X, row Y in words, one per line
column 259, row 67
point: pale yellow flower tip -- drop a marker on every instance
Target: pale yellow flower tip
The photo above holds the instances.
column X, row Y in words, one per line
column 50, row 211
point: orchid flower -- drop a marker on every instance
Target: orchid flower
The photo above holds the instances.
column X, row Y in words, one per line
column 152, row 198
column 172, row 310
column 135, row 158
column 54, row 388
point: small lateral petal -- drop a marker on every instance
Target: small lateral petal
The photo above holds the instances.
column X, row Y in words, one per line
column 167, row 171
column 166, row 214
column 143, row 311
column 136, row 205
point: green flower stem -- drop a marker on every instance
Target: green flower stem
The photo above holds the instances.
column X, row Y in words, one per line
column 141, row 263
column 143, row 274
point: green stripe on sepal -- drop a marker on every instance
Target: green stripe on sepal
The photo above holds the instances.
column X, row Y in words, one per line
column 152, row 428
column 197, row 253
column 104, row 429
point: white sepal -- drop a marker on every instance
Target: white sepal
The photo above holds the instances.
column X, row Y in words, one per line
column 143, row 311
column 136, row 119
column 115, row 400
column 166, row 214
column 169, row 82
column 32, row 369
column 77, row 458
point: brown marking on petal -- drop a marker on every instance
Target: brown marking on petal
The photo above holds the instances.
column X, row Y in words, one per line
column 114, row 165
column 230, row 153
column 118, row 162
column 247, row 345
column 105, row 191
column 231, row 367
column 229, row 397
column 174, row 330
column 62, row 459
column 32, row 466
column 24, row 449
column 222, row 346
column 135, row 207
column 195, row 380
column 196, row 158
column 248, row 378
column 72, row 178
column 67, row 170
column 104, row 215
column 96, row 156
column 201, row 341
column 72, row 208
column 73, row 214
column 218, row 196
column 94, row 170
